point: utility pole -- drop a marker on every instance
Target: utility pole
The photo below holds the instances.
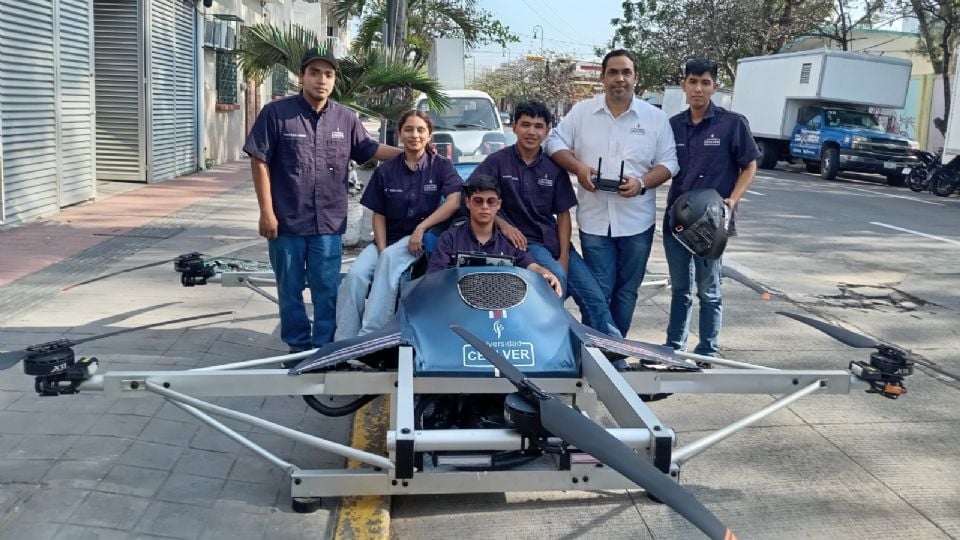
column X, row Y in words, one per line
column 540, row 28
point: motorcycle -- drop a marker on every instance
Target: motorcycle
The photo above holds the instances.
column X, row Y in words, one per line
column 919, row 177
column 944, row 180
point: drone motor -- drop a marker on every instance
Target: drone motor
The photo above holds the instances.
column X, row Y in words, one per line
column 523, row 416
column 885, row 372
column 193, row 270
column 55, row 369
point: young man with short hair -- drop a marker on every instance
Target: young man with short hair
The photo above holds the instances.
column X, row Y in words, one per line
column 715, row 150
column 300, row 148
column 535, row 214
column 481, row 234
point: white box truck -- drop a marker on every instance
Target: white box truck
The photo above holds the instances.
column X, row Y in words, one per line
column 814, row 106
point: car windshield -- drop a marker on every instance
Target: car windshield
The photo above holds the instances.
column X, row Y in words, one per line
column 463, row 113
column 857, row 119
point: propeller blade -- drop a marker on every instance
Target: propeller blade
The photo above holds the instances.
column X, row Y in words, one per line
column 509, row 371
column 847, row 337
column 583, row 433
column 11, row 358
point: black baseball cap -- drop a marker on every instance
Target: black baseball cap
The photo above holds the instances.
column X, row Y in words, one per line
column 317, row 53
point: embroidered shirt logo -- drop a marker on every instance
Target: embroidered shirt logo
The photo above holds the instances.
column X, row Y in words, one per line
column 712, row 140
column 336, row 134
column 546, row 181
column 498, row 327
column 429, row 187
column 637, row 130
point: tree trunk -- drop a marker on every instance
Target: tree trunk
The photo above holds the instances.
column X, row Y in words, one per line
column 947, row 55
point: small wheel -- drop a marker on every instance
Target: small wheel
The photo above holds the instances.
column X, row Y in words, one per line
column 305, row 505
column 829, row 163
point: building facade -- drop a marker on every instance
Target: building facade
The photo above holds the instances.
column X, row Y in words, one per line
column 125, row 90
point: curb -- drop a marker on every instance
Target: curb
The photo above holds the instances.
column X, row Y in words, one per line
column 366, row 518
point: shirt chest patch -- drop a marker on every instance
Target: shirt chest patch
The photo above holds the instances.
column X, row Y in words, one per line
column 429, row 187
column 336, row 135
column 546, row 181
column 638, row 130
column 509, row 177
column 712, row 140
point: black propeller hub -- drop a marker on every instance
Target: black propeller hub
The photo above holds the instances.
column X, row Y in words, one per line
column 523, row 416
column 48, row 358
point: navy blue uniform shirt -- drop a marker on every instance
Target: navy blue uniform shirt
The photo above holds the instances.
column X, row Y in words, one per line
column 462, row 239
column 405, row 197
column 308, row 155
column 532, row 194
column 711, row 154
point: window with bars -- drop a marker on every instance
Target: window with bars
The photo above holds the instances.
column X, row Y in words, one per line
column 280, row 81
column 226, row 77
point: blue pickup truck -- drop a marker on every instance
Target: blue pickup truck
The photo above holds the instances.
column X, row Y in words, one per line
column 834, row 139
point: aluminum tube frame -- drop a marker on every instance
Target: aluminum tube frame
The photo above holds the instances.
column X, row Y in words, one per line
column 329, row 483
column 292, row 434
column 682, row 455
column 721, row 361
column 289, row 468
column 438, row 440
column 258, row 363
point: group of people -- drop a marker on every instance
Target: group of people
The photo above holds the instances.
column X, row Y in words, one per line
column 518, row 201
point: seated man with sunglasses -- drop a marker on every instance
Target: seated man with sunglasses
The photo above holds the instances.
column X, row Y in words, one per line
column 481, row 234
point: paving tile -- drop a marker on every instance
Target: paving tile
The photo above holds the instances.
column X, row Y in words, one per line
column 174, row 520
column 235, row 526
column 109, row 511
column 126, row 480
column 205, row 463
column 251, row 468
column 119, row 425
column 151, row 455
column 136, row 406
column 42, row 447
column 16, row 422
column 97, row 447
column 46, row 505
column 289, row 526
column 31, row 531
column 9, row 441
column 191, row 489
column 78, row 532
column 209, row 439
column 77, row 474
column 247, row 497
column 168, row 432
column 27, row 471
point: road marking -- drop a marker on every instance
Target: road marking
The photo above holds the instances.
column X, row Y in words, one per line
column 752, row 192
column 894, row 196
column 925, row 235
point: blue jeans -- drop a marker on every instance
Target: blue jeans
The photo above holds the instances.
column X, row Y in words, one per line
column 619, row 264
column 306, row 260
column 543, row 257
column 686, row 267
column 586, row 292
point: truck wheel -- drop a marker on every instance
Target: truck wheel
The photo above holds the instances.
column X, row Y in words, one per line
column 895, row 180
column 812, row 166
column 769, row 154
column 829, row 162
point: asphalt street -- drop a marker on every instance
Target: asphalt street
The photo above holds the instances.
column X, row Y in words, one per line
column 876, row 259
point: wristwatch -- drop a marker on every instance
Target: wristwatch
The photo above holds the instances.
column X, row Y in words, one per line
column 643, row 186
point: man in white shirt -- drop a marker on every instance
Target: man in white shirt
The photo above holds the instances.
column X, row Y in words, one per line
column 616, row 228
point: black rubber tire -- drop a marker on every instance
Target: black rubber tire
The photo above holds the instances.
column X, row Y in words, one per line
column 812, row 166
column 829, row 163
column 769, row 154
column 917, row 180
column 896, row 180
column 305, row 505
column 944, row 182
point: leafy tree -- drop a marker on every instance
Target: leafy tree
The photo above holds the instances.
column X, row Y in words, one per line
column 839, row 28
column 665, row 33
column 426, row 19
column 365, row 81
column 544, row 79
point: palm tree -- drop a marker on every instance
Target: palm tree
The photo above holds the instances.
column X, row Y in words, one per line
column 368, row 82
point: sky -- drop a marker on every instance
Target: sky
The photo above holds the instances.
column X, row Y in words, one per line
column 568, row 27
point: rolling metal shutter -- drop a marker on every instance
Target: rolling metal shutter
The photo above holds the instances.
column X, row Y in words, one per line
column 76, row 102
column 173, row 89
column 28, row 106
column 119, row 132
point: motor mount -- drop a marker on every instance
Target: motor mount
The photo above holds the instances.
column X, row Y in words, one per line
column 55, row 368
column 885, row 372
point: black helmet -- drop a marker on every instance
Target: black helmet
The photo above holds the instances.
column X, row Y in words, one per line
column 698, row 220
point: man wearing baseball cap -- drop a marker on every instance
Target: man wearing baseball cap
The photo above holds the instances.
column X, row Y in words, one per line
column 300, row 147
